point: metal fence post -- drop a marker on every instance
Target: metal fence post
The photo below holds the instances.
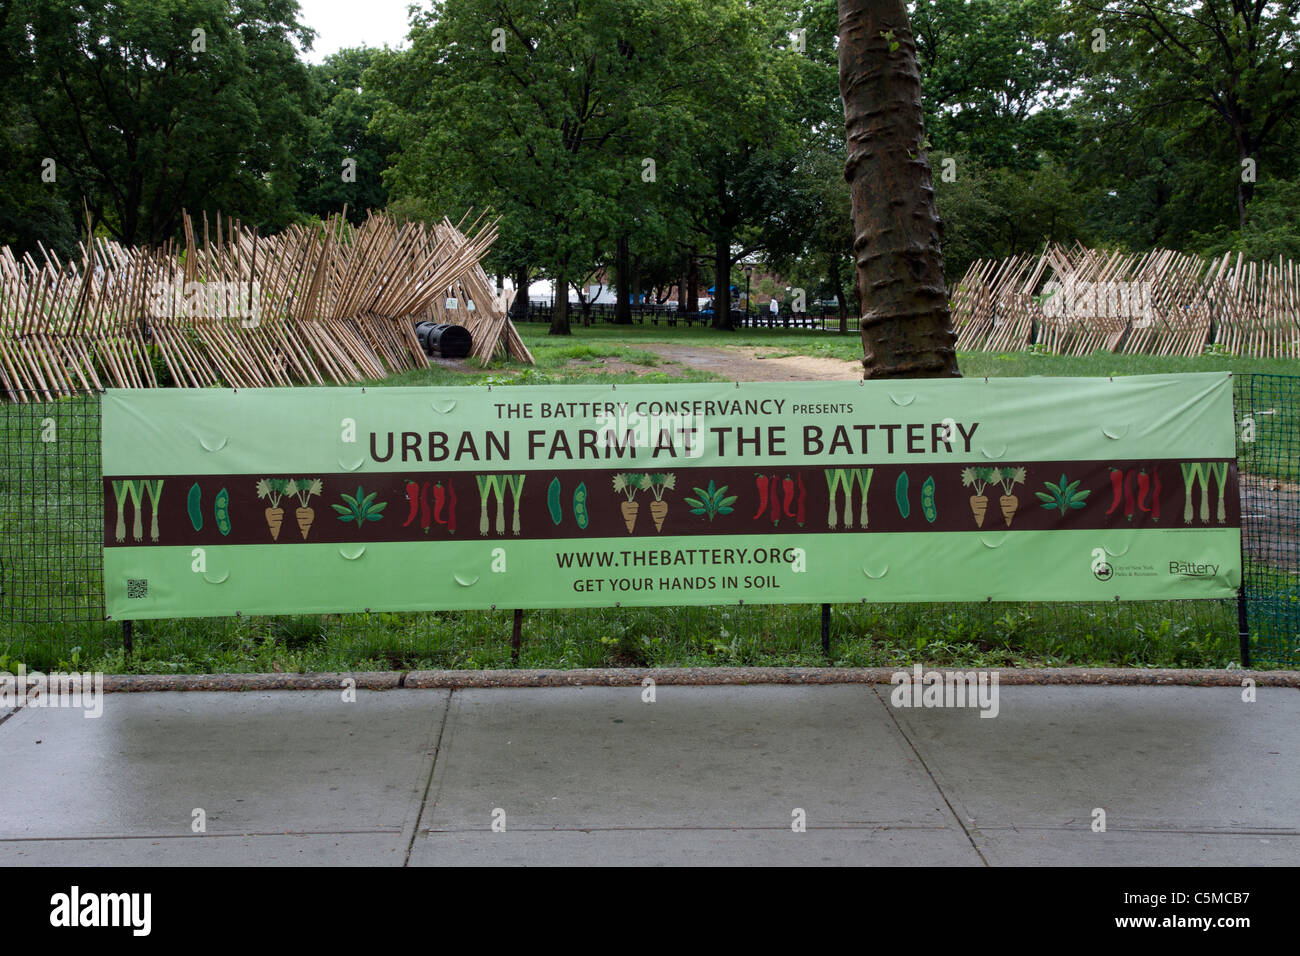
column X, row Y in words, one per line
column 516, row 636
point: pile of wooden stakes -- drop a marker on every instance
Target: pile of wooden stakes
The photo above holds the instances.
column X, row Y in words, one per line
column 1076, row 301
column 313, row 304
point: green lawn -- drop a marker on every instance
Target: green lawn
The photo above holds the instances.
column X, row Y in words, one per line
column 64, row 527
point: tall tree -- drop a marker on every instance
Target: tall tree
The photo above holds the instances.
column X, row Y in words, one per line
column 543, row 111
column 346, row 162
column 150, row 106
column 1225, row 70
column 906, row 328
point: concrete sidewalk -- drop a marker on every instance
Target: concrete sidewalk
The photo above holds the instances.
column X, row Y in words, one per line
column 704, row 775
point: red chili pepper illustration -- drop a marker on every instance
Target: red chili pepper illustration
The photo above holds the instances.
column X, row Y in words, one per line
column 1155, row 494
column 1128, row 495
column 788, row 485
column 761, row 482
column 1117, row 486
column 773, row 483
column 439, row 500
column 803, row 495
column 413, row 496
column 451, row 507
column 1144, row 486
column 424, row 507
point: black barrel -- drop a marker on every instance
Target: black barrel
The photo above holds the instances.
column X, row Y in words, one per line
column 444, row 341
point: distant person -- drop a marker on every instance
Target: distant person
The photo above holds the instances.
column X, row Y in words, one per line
column 775, row 308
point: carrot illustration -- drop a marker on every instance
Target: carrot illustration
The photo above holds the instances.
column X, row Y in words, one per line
column 1009, row 478
column 413, row 496
column 304, row 489
column 761, row 482
column 628, row 484
column 272, row 489
column 658, row 484
column 977, row 478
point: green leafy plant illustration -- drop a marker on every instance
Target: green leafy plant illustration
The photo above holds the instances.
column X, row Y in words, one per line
column 1062, row 497
column 711, row 502
column 361, row 507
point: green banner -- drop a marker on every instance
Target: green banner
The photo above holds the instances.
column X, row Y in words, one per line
column 320, row 500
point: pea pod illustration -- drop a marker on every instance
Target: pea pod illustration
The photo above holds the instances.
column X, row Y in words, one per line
column 221, row 508
column 194, row 505
column 900, row 495
column 580, row 505
column 553, row 501
column 927, row 500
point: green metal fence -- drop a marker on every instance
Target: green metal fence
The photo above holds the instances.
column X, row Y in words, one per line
column 51, row 562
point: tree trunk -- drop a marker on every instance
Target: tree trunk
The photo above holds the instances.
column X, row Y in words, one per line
column 1245, row 190
column 519, row 308
column 693, row 283
column 722, row 283
column 636, row 281
column 560, row 314
column 681, row 286
column 584, row 301
column 622, row 282
column 906, row 329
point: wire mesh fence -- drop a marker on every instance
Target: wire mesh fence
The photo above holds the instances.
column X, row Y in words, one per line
column 51, row 578
column 1268, row 459
column 51, row 557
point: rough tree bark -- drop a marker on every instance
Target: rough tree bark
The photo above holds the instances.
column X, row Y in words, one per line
column 906, row 328
column 693, row 283
column 622, row 282
column 722, row 283
column 519, row 308
column 560, row 315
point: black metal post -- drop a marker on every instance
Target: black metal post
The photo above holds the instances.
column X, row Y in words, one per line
column 826, row 629
column 1243, row 627
column 128, row 637
column 516, row 636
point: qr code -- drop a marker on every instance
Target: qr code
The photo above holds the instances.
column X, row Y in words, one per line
column 137, row 588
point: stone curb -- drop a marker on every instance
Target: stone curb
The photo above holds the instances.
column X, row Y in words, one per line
column 686, row 676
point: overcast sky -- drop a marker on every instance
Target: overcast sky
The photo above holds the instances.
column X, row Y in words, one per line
column 344, row 23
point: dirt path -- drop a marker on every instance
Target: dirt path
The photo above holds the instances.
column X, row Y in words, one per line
column 749, row 364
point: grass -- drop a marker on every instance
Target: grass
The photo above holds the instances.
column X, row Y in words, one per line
column 1157, row 634
column 1172, row 634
